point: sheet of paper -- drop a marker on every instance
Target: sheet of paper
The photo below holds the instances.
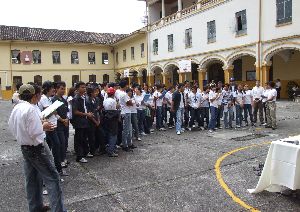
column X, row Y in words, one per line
column 51, row 108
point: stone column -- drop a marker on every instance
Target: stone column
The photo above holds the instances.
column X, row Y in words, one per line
column 265, row 69
column 201, row 78
column 165, row 77
column 140, row 78
column 163, row 9
column 129, row 81
column 228, row 73
column 181, row 77
column 179, row 5
column 151, row 79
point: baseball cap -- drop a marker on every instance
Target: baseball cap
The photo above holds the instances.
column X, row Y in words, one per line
column 26, row 87
column 111, row 90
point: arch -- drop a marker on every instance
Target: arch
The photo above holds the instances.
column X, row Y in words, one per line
column 235, row 55
column 210, row 58
column 270, row 52
column 166, row 68
column 155, row 67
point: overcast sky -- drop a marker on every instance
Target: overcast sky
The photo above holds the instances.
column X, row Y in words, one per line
column 116, row 16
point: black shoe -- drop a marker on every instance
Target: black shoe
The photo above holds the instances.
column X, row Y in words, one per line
column 132, row 146
column 268, row 127
column 127, row 149
column 273, row 128
column 63, row 174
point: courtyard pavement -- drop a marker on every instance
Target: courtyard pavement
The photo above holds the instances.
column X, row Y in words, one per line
column 165, row 173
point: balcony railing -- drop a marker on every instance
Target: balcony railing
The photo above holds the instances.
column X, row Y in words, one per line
column 195, row 8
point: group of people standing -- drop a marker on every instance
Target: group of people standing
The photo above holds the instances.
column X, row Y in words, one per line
column 111, row 116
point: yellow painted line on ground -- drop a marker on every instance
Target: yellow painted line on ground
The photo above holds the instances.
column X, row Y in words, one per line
column 222, row 182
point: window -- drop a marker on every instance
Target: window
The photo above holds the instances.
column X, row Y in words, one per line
column 211, row 31
column 155, row 46
column 36, row 57
column 16, row 80
column 38, row 79
column 188, row 38
column 284, row 11
column 56, row 57
column 241, row 22
column 92, row 78
column 170, row 43
column 142, row 50
column 74, row 57
column 124, row 55
column 132, row 53
column 117, row 57
column 105, row 78
column 91, row 58
column 56, row 78
column 105, row 58
column 15, row 56
column 75, row 79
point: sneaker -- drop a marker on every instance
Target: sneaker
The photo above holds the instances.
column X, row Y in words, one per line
column 194, row 126
column 139, row 139
column 182, row 130
column 132, row 146
column 220, row 127
column 83, row 160
column 89, row 155
column 264, row 124
column 62, row 180
column 126, row 149
column 64, row 165
column 210, row 131
column 178, row 133
column 162, row 129
column 215, row 128
column 45, row 192
column 201, row 128
column 171, row 127
column 143, row 134
column 151, row 130
column 189, row 129
column 238, row 126
column 113, row 155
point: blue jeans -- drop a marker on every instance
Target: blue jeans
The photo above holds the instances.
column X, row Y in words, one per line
column 38, row 168
column 63, row 137
column 134, row 122
column 126, row 133
column 213, row 118
column 159, row 120
column 56, row 148
column 179, row 115
column 141, row 114
column 228, row 117
column 248, row 110
column 111, row 143
column 239, row 115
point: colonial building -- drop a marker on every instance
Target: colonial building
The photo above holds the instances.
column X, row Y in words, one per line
column 247, row 40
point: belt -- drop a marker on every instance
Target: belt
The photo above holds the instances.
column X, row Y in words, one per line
column 32, row 146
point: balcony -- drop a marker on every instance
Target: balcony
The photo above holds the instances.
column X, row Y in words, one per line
column 200, row 6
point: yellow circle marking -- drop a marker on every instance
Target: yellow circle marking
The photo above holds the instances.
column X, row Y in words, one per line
column 222, row 182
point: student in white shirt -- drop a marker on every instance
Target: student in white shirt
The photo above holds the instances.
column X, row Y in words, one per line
column 168, row 98
column 257, row 92
column 248, row 102
column 204, row 107
column 40, row 168
column 158, row 101
column 264, row 101
column 214, row 96
column 134, row 119
column 194, row 99
column 239, row 105
column 271, row 106
column 141, row 109
column 15, row 98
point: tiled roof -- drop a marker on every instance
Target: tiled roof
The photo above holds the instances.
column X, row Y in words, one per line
column 55, row 35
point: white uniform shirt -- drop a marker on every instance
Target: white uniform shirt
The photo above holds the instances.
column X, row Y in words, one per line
column 272, row 93
column 205, row 97
column 26, row 125
column 159, row 101
column 168, row 97
column 265, row 94
column 44, row 103
column 238, row 97
column 110, row 104
column 247, row 97
column 181, row 105
column 133, row 108
column 257, row 92
column 213, row 95
column 123, row 98
column 104, row 94
column 138, row 100
column 194, row 100
column 15, row 98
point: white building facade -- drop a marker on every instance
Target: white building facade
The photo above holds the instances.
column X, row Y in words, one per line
column 244, row 39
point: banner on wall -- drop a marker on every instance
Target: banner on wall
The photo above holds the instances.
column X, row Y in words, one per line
column 126, row 73
column 185, row 66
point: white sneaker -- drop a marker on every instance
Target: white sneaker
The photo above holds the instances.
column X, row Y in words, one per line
column 139, row 139
column 182, row 130
column 211, row 131
column 143, row 134
column 190, row 129
column 178, row 133
column 83, row 160
column 202, row 128
column 194, row 126
column 151, row 130
column 45, row 192
column 162, row 129
column 89, row 155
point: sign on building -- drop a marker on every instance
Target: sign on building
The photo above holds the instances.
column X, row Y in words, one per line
column 185, row 66
column 126, row 73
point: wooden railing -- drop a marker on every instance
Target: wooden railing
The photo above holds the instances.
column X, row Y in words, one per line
column 198, row 7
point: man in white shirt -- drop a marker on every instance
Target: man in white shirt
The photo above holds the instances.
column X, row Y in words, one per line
column 158, row 98
column 194, row 99
column 213, row 99
column 257, row 92
column 38, row 160
column 168, row 98
column 15, row 98
column 271, row 106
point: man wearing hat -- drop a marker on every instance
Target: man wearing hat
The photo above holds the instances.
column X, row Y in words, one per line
column 39, row 167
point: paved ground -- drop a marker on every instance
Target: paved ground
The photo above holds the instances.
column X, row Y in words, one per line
column 166, row 173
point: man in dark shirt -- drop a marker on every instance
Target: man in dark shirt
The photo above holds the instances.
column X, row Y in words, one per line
column 80, row 121
column 62, row 121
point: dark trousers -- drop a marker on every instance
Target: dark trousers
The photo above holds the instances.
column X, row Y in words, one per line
column 164, row 113
column 56, row 148
column 204, row 111
column 100, row 140
column 141, row 114
column 63, row 136
column 195, row 116
column 80, row 142
column 91, row 140
column 248, row 110
column 278, row 92
column 219, row 116
column 186, row 116
column 172, row 117
column 159, row 120
column 258, row 107
column 120, row 129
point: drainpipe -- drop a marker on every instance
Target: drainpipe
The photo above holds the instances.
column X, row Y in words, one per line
column 148, row 40
column 10, row 66
column 259, row 44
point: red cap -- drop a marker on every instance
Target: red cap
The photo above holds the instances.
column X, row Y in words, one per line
column 111, row 90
